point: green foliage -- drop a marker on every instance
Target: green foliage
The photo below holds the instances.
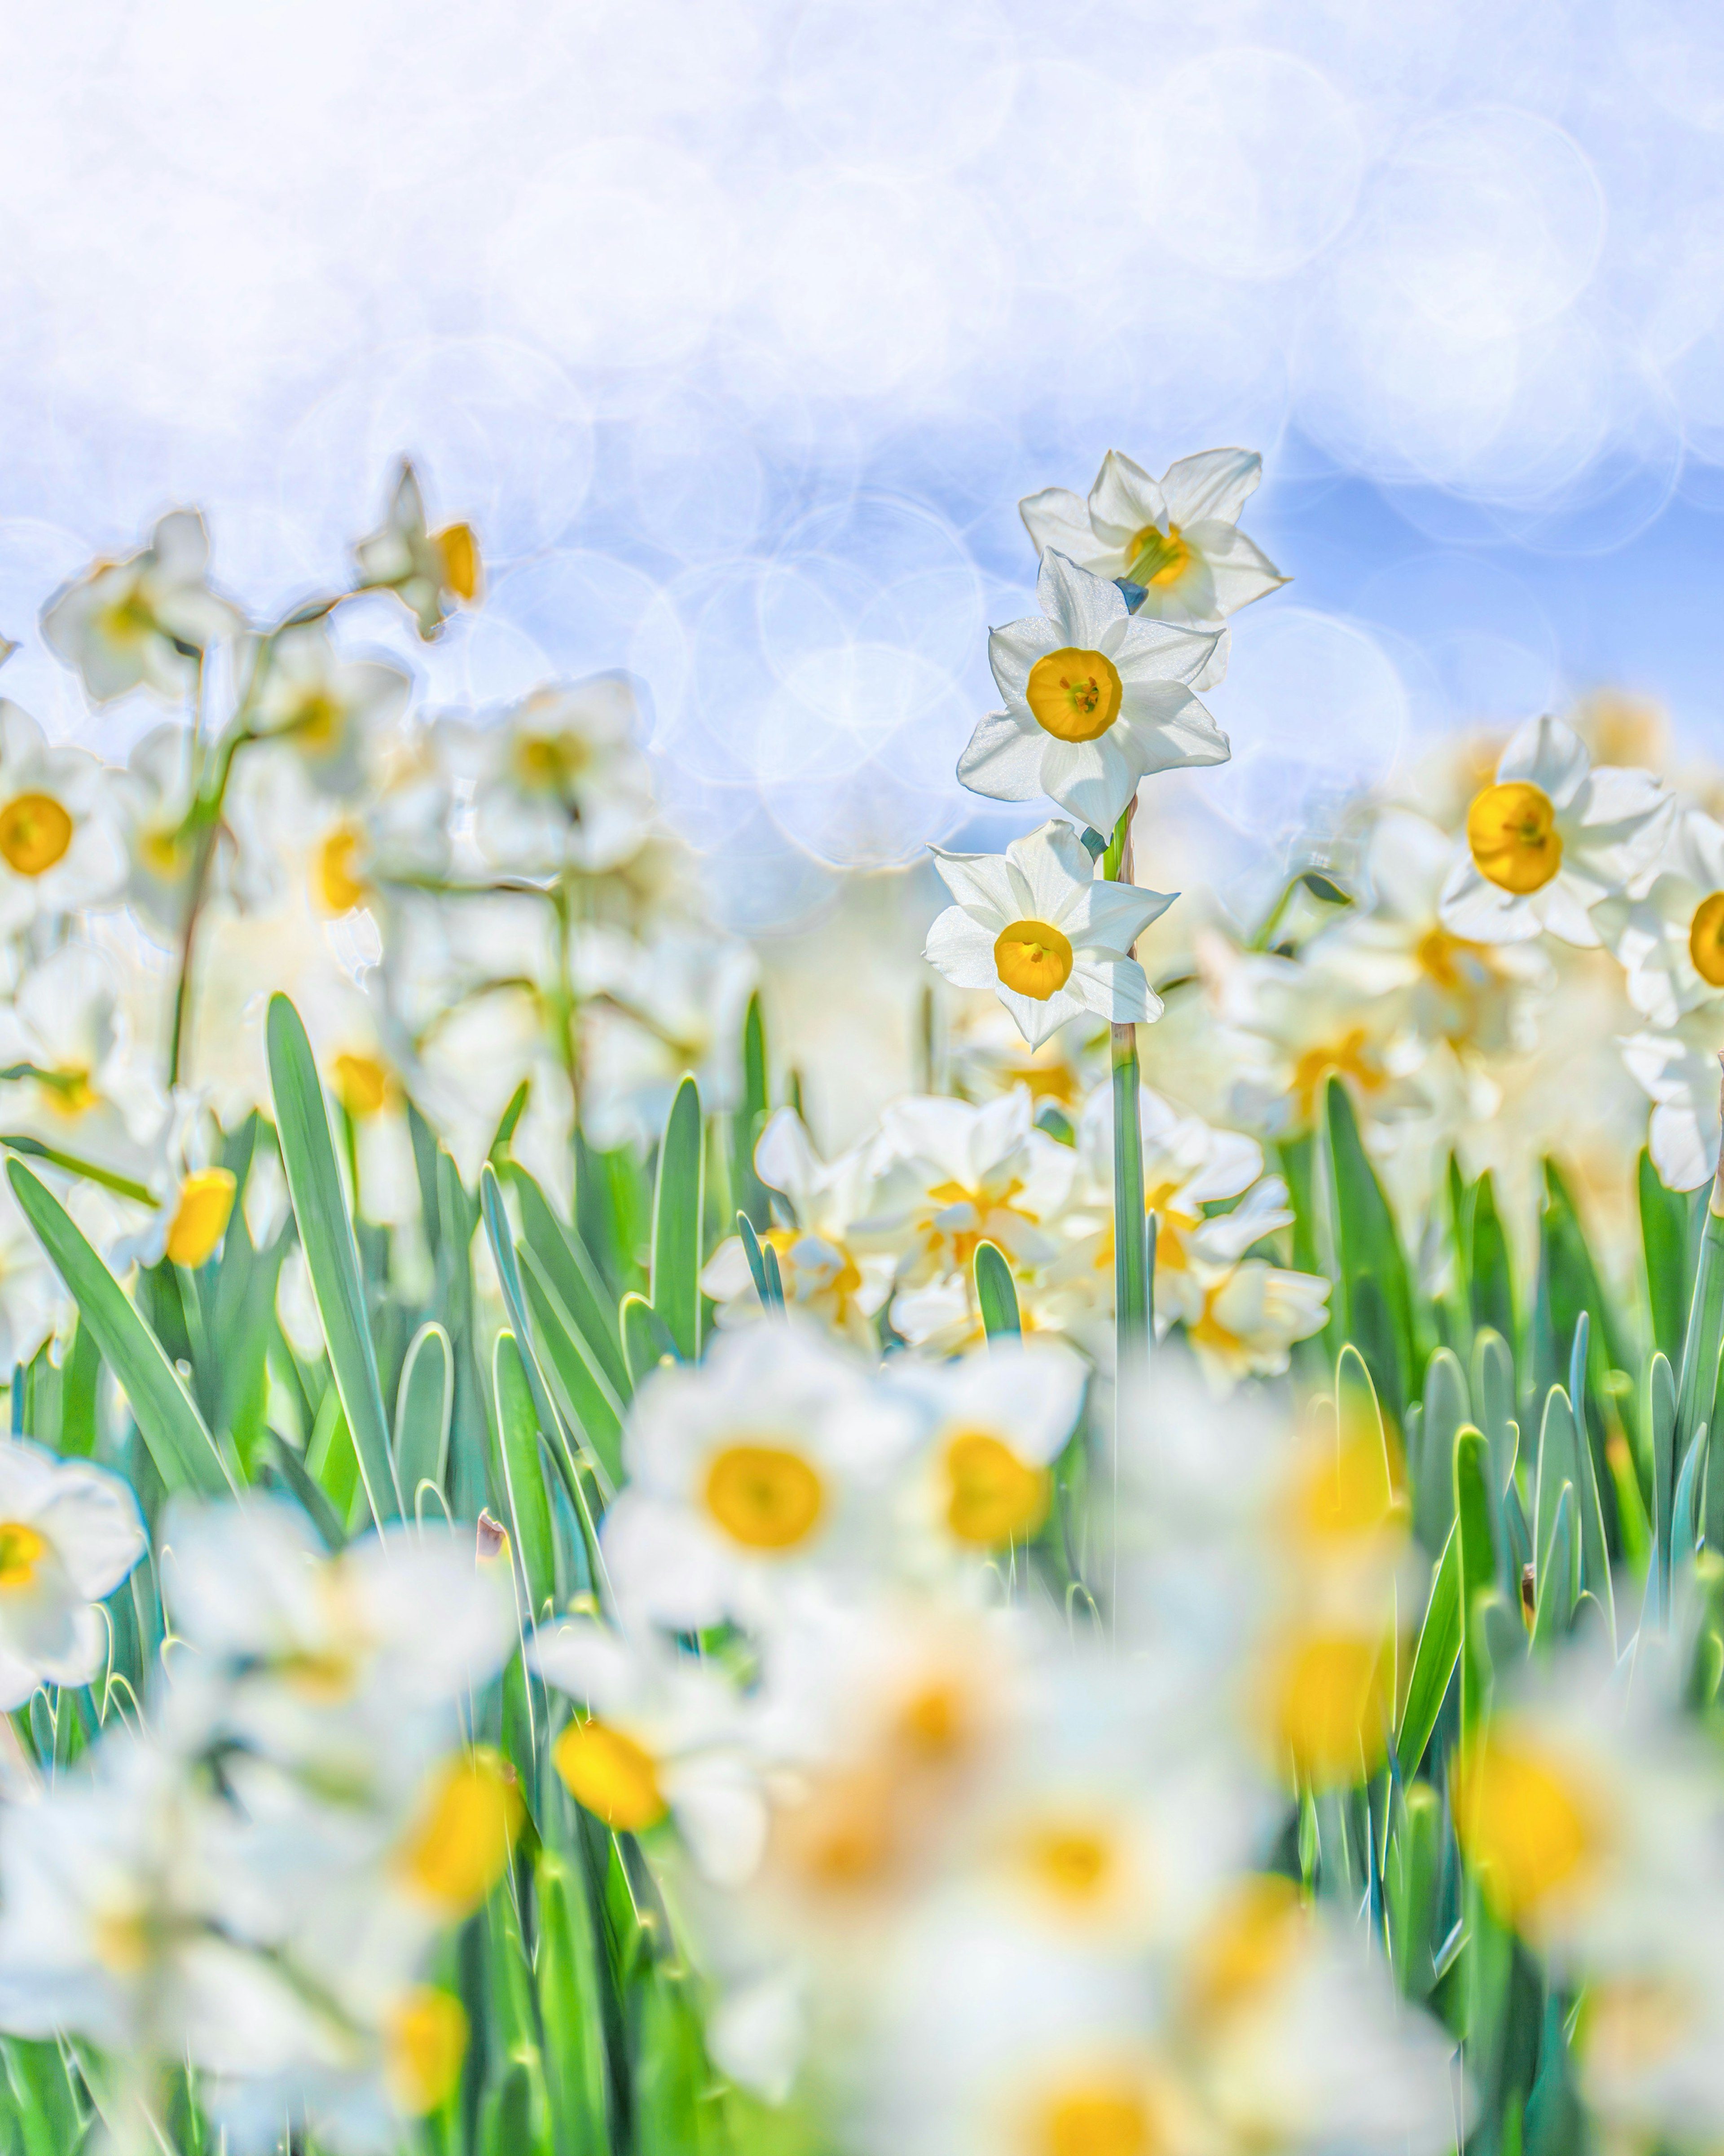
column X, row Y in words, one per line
column 996, row 1292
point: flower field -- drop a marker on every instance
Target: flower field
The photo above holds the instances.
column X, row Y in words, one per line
column 1159, row 1597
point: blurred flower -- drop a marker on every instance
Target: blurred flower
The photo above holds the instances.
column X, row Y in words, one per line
column 1094, row 701
column 1679, row 1072
column 145, row 621
column 69, row 1533
column 561, row 781
column 1550, row 839
column 995, row 1423
column 1039, row 928
column 1179, row 540
column 1669, row 938
column 61, row 843
column 431, row 572
column 329, row 709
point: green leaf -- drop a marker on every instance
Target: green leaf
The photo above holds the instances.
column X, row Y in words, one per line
column 996, row 1292
column 287, row 1463
column 523, row 1478
column 591, row 1409
column 676, row 1222
column 1130, row 1249
column 1664, row 1237
column 185, row 1454
column 1375, row 1296
column 425, row 1403
column 1661, row 1425
column 646, row 1338
column 319, row 1205
column 1446, row 1409
column 1434, row 1660
column 1684, row 1521
column 768, row 1285
column 1494, row 1395
column 572, row 2006
column 1489, row 1268
column 569, row 1269
column 1478, row 1570
column 1412, row 1884
column 1557, row 1579
column 1706, row 1326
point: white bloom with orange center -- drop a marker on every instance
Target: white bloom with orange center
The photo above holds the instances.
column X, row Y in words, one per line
column 765, row 1468
column 662, row 1736
column 995, row 1424
column 1051, row 940
column 561, row 781
column 1250, row 1314
column 1669, row 938
column 431, row 573
column 824, row 1271
column 146, row 622
column 654, row 1008
column 1178, row 540
column 1678, row 1070
column 1295, row 1026
column 61, row 849
column 73, row 1084
column 1095, row 701
column 69, row 1533
column 330, row 710
column 1550, row 839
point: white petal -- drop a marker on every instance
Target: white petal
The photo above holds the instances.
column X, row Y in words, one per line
column 1238, row 570
column 1547, row 754
column 1057, row 518
column 981, row 883
column 1093, row 779
column 1081, row 606
column 1004, row 760
column 1012, row 651
column 1110, row 917
column 1124, row 498
column 1117, row 990
column 1481, row 911
column 1170, row 730
column 961, row 949
column 1055, row 869
column 1150, row 651
column 1218, row 483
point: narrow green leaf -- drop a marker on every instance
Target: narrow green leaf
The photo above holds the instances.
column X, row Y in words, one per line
column 1664, row 1237
column 1684, row 1521
column 523, row 1478
column 578, row 1387
column 185, row 1454
column 580, row 1285
column 1130, row 1254
column 572, row 2007
column 676, row 1222
column 996, row 1292
column 1478, row 1570
column 1489, row 1267
column 1446, row 1409
column 646, row 1338
column 286, row 1463
column 1377, row 1296
column 499, row 1148
column 425, row 1403
column 1706, row 1326
column 1493, row 1384
column 1557, row 1580
column 319, row 1205
column 768, row 1286
column 1413, row 1886
column 1661, row 1426
column 1434, row 1659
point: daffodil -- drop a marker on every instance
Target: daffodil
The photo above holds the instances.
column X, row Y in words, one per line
column 33, row 1303
column 1295, row 1026
column 767, row 1466
column 1038, row 927
column 1095, row 701
column 146, row 622
column 653, row 1009
column 1549, row 838
column 826, row 1273
column 1678, row 1070
column 60, row 844
column 73, row 1085
column 561, row 781
column 69, row 1533
column 1670, row 937
column 1248, row 1315
column 330, row 710
column 431, row 573
column 1178, row 540
column 662, row 1736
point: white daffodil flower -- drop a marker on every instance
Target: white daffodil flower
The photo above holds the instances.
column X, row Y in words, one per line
column 1295, row 1026
column 1037, row 927
column 60, row 844
column 329, row 709
column 661, row 1737
column 69, row 1533
column 1678, row 1070
column 1669, row 938
column 145, row 621
column 431, row 572
column 750, row 1476
column 69, row 1078
column 652, row 1010
column 826, row 1274
column 967, row 1173
column 33, row 1303
column 995, row 1424
column 560, row 781
column 1095, row 701
column 1179, row 540
column 1550, row 839
column 1250, row 1314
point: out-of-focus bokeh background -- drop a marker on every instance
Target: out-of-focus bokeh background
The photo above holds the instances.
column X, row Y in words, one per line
column 739, row 329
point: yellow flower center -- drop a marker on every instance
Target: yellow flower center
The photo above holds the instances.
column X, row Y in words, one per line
column 68, row 1092
column 1347, row 1496
column 764, row 1496
column 129, row 619
column 1156, row 557
column 1074, row 695
column 1530, row 1833
column 21, row 1549
column 200, row 1218
column 35, row 832
column 1512, row 829
column 165, row 851
column 319, row 722
column 122, row 1940
column 1349, row 1057
column 933, row 1722
column 612, row 1775
column 1705, row 940
column 1097, row 2121
column 336, row 882
column 1330, row 1705
column 1032, row 958
column 458, row 550
column 363, row 1084
column 993, row 1496
column 547, row 763
column 459, row 1847
column 1247, row 1946
column 424, row 2042
column 1075, row 1865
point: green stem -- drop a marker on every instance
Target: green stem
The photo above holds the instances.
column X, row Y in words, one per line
column 1130, row 1254
column 207, row 817
column 1706, row 1327
column 122, row 1186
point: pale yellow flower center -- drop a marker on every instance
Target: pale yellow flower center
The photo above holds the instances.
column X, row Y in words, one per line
column 336, row 882
column 764, row 1496
column 424, row 2042
column 1156, row 557
column 547, row 763
column 363, row 1084
column 993, row 1496
column 458, row 551
column 200, row 1218
column 1247, row 1946
column 21, row 1549
column 934, row 1723
column 1072, row 1863
column 35, row 832
column 459, row 1845
column 319, row 722
column 1329, row 1704
column 1097, row 2121
column 1032, row 958
column 1512, row 829
column 1530, row 1831
column 612, row 1775
column 1705, row 940
column 1074, row 695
